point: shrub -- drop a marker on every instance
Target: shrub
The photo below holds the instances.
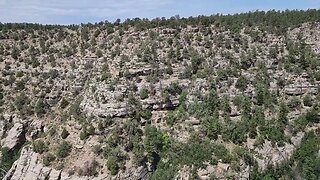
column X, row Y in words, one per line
column 48, row 158
column 20, row 85
column 237, row 101
column 300, row 123
column 307, row 100
column 212, row 127
column 84, row 134
column 241, row 83
column 259, row 141
column 39, row 146
column 97, row 149
column 63, row 149
column 91, row 130
column 40, row 107
column 99, row 53
column 7, row 158
column 169, row 70
column 113, row 165
column 64, row 103
column 282, row 115
column 52, row 131
column 15, row 53
column 186, row 74
column 174, row 89
column 307, row 156
column 171, row 118
column 105, row 76
column 144, row 93
column 21, row 101
column 312, row 116
column 294, row 103
column 64, row 133
column 225, row 105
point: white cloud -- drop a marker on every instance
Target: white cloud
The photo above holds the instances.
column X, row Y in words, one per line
column 72, row 11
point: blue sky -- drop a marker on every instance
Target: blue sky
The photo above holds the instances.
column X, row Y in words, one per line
column 83, row 11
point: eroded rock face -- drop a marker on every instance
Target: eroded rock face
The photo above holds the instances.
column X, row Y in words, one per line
column 298, row 90
column 29, row 167
column 274, row 155
column 15, row 136
column 25, row 166
column 2, row 128
column 35, row 131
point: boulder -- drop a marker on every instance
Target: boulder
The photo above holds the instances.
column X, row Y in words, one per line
column 234, row 112
column 193, row 121
column 15, row 136
column 88, row 168
column 35, row 131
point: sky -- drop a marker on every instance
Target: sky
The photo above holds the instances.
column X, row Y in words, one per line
column 84, row 11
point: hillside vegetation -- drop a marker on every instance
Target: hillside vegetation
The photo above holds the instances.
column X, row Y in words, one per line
column 208, row 97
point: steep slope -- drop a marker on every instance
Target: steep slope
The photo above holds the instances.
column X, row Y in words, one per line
column 206, row 97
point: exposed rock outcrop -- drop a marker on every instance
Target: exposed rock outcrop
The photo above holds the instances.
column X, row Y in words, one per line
column 2, row 128
column 15, row 137
column 300, row 90
column 30, row 167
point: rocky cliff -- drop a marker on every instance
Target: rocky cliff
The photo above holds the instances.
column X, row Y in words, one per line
column 178, row 100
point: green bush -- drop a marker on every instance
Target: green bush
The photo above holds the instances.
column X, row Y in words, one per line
column 64, row 103
column 294, row 103
column 84, row 134
column 52, row 130
column 308, row 156
column 235, row 132
column 174, row 89
column 282, row 115
column 144, row 93
column 21, row 101
column 259, row 141
column 194, row 153
column 99, row 53
column 39, row 146
column 20, row 85
column 300, row 123
column 40, row 107
column 63, row 149
column 91, row 130
column 307, row 100
column 105, row 76
column 212, row 127
column 242, row 83
column 312, row 116
column 48, row 158
column 112, row 165
column 7, row 159
column 237, row 101
column 171, row 118
column 64, row 133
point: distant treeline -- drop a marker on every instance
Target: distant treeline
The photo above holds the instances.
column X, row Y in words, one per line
column 271, row 20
